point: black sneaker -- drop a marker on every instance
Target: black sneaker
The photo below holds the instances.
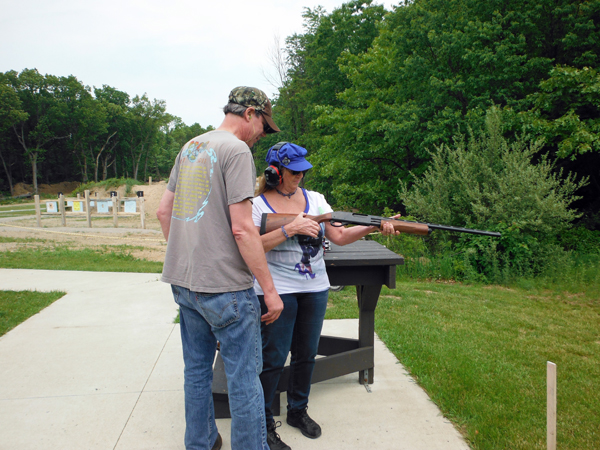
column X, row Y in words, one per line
column 218, row 443
column 273, row 439
column 301, row 420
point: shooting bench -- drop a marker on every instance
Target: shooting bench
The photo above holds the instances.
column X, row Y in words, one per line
column 366, row 265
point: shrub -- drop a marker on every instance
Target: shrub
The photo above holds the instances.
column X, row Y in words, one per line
column 487, row 182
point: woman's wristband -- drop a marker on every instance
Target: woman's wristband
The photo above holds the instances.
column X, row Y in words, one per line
column 284, row 233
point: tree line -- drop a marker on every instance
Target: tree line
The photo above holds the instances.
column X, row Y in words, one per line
column 54, row 128
column 373, row 93
column 478, row 114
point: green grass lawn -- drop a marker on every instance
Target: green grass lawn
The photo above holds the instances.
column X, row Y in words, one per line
column 17, row 306
column 115, row 259
column 480, row 352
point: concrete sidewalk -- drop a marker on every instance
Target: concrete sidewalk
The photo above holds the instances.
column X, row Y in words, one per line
column 101, row 368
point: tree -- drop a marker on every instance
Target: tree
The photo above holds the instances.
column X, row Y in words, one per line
column 36, row 93
column 566, row 112
column 115, row 104
column 11, row 113
column 314, row 77
column 62, row 131
column 278, row 61
column 143, row 121
column 434, row 69
column 315, row 80
column 81, row 117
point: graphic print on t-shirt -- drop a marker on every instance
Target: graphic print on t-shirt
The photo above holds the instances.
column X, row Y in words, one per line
column 310, row 248
column 194, row 184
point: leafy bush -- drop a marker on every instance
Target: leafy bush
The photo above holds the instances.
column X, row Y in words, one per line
column 487, row 182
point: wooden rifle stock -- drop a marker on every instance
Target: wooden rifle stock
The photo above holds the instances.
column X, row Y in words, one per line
column 273, row 221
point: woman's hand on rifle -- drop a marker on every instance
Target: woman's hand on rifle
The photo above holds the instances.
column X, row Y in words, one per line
column 387, row 229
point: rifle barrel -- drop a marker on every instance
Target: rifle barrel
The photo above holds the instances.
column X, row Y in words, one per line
column 464, row 230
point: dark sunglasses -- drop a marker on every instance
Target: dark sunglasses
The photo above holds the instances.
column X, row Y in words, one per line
column 266, row 128
column 298, row 172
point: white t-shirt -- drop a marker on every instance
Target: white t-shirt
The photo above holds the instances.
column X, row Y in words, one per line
column 293, row 266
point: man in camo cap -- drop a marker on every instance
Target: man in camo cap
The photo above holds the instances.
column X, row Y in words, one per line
column 255, row 98
column 213, row 252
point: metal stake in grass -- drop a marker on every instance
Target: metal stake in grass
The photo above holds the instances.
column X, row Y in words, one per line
column 551, row 404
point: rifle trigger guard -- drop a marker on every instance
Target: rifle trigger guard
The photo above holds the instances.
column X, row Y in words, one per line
column 336, row 223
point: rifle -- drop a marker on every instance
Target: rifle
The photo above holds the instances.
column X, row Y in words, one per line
column 273, row 221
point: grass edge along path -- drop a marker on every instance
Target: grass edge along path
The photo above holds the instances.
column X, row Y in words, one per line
column 13, row 304
column 118, row 259
column 480, row 353
column 18, row 306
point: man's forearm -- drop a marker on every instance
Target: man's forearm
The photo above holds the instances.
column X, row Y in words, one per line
column 165, row 225
column 165, row 211
column 252, row 252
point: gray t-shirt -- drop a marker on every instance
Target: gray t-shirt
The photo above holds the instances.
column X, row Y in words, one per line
column 212, row 171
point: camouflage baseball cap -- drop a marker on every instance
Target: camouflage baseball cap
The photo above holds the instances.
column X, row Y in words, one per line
column 253, row 97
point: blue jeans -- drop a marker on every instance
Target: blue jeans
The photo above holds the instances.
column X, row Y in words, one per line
column 233, row 319
column 298, row 330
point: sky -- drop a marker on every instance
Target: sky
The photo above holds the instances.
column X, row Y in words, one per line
column 188, row 53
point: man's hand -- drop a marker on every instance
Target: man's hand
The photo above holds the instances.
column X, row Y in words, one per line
column 274, row 306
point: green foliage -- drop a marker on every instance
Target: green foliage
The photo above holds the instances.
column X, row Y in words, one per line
column 581, row 240
column 488, row 182
column 10, row 108
column 433, row 70
column 429, row 70
column 315, row 79
column 566, row 110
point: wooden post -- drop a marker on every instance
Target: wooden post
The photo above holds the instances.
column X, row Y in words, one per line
column 115, row 202
column 61, row 207
column 88, row 211
column 149, row 181
column 38, row 212
column 142, row 213
column 551, row 400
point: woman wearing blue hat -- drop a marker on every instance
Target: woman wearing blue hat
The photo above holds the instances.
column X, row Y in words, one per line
column 295, row 258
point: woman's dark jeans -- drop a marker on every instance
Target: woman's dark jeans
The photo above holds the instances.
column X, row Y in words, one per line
column 297, row 330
